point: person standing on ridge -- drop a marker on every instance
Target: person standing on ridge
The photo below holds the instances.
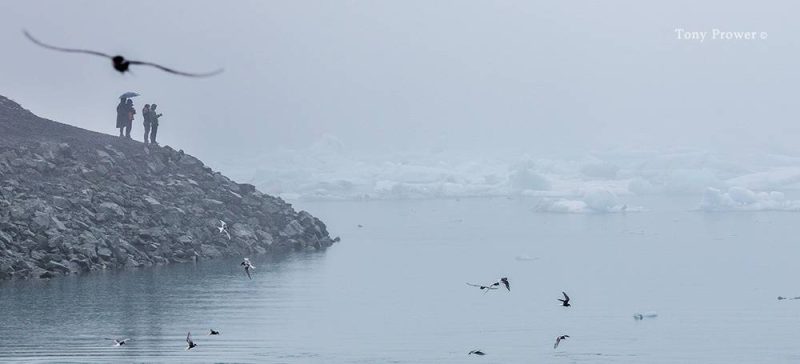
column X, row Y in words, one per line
column 129, row 121
column 146, row 117
column 154, row 123
column 122, row 115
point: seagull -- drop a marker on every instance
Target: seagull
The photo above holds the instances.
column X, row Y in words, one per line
column 565, row 301
column 189, row 341
column 504, row 280
column 476, row 352
column 223, row 228
column 486, row 288
column 212, row 332
column 247, row 266
column 118, row 342
column 558, row 340
column 119, row 62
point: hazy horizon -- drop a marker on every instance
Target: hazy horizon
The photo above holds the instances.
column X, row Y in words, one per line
column 479, row 76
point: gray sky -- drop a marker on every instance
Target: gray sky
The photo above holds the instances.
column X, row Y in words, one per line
column 388, row 76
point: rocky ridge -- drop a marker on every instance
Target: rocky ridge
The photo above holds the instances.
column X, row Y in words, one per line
column 73, row 201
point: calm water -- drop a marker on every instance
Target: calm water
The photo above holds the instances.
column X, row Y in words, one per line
column 393, row 292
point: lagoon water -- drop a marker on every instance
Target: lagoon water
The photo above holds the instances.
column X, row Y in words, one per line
column 393, row 291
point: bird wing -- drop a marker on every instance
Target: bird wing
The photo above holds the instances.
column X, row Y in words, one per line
column 246, row 270
column 505, row 282
column 170, row 70
column 71, row 50
column 565, row 295
column 189, row 337
column 474, row 285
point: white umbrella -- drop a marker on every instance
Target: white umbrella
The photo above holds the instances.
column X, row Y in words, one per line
column 128, row 95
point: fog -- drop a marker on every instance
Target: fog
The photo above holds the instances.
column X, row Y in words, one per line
column 478, row 78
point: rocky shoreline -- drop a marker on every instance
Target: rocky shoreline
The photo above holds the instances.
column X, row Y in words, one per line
column 74, row 201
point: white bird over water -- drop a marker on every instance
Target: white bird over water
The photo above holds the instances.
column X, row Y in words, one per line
column 247, row 267
column 223, row 228
column 118, row 342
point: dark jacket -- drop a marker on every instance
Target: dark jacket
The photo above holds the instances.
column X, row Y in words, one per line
column 122, row 114
column 146, row 116
column 154, row 118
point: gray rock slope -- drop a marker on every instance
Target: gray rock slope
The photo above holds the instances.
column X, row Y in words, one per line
column 73, row 200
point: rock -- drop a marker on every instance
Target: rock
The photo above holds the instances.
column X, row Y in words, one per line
column 58, row 224
column 292, row 228
column 41, row 222
column 56, row 266
column 242, row 231
column 129, row 179
column 111, row 208
column 104, row 253
column 5, row 238
column 100, row 202
column 153, row 204
column 185, row 239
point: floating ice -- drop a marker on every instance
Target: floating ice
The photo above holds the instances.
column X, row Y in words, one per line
column 742, row 199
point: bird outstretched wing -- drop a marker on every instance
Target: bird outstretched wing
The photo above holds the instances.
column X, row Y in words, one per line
column 181, row 73
column 61, row 49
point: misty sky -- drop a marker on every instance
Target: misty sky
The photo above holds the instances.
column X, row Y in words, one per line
column 395, row 76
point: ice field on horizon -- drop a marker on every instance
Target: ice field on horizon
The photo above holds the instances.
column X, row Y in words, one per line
column 596, row 182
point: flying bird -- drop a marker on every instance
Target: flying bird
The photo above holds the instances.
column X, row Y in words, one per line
column 223, row 228
column 247, row 267
column 120, row 64
column 212, row 332
column 565, row 301
column 504, row 280
column 118, row 342
column 485, row 288
column 558, row 340
column 189, row 341
column 476, row 352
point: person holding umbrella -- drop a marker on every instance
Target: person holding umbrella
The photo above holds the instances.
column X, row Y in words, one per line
column 121, row 115
column 124, row 116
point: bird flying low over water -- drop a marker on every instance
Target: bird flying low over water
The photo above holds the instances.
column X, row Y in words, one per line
column 558, row 340
column 504, row 281
column 120, row 64
column 485, row 288
column 189, row 341
column 223, row 228
column 476, row 352
column 247, row 266
column 565, row 301
column 118, row 342
column 212, row 332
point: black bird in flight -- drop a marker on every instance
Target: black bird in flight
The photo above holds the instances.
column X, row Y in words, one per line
column 119, row 62
column 558, row 340
column 476, row 352
column 212, row 332
column 565, row 301
column 504, row 280
column 189, row 341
